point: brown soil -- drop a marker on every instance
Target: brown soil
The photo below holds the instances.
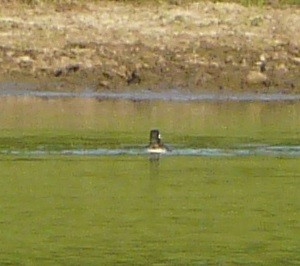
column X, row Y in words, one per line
column 116, row 46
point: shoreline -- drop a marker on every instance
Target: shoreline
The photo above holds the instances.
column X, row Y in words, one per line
column 117, row 47
column 173, row 95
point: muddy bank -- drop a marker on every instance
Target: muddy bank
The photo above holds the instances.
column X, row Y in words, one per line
column 117, row 46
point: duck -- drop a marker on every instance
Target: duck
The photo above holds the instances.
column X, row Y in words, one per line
column 156, row 145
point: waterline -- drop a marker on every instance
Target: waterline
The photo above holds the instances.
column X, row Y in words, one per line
column 146, row 95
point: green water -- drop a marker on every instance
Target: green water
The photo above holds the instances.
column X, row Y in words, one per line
column 59, row 209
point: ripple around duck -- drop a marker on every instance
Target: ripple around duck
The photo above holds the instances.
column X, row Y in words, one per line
column 264, row 150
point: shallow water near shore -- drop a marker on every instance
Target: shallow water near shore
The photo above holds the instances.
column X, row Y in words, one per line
column 78, row 187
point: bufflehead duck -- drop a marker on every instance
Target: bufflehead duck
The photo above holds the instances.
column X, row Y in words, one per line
column 156, row 145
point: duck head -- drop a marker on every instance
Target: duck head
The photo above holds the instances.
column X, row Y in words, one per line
column 155, row 137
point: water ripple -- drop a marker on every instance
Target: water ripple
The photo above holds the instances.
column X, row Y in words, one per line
column 275, row 151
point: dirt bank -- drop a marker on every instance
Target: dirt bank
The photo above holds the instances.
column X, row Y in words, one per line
column 116, row 46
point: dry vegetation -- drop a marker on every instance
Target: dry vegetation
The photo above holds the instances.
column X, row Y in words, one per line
column 115, row 45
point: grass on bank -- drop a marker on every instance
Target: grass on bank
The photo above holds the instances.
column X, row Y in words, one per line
column 176, row 2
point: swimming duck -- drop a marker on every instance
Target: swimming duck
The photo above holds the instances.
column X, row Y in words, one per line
column 156, row 145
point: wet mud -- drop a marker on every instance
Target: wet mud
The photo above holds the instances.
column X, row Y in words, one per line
column 116, row 47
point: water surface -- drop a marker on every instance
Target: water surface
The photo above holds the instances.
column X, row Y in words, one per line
column 78, row 188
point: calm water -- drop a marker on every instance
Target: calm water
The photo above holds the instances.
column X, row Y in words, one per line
column 78, row 188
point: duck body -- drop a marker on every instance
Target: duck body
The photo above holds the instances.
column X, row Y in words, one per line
column 157, row 150
column 156, row 145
